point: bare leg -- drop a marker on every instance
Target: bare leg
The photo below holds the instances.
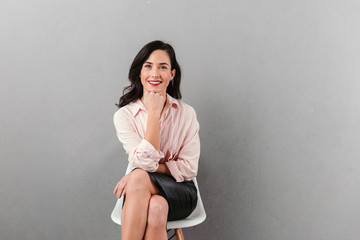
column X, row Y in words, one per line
column 157, row 218
column 134, row 215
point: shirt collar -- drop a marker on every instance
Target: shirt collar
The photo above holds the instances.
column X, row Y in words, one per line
column 172, row 101
column 137, row 105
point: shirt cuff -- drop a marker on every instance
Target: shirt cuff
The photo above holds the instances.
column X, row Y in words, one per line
column 146, row 146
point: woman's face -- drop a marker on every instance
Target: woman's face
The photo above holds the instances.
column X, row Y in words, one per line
column 156, row 72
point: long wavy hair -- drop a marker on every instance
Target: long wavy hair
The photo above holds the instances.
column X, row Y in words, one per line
column 135, row 90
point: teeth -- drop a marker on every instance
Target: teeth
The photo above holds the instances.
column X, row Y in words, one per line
column 154, row 82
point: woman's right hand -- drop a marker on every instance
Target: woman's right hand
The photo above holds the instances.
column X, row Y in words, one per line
column 120, row 188
column 154, row 102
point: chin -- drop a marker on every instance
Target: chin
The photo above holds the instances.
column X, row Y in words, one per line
column 156, row 90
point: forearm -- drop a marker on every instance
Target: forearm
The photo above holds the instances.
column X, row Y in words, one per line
column 152, row 133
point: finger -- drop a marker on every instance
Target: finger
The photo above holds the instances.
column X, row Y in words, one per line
column 120, row 190
column 116, row 187
column 121, row 194
column 124, row 191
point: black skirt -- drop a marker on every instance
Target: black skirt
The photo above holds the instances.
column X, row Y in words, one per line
column 180, row 196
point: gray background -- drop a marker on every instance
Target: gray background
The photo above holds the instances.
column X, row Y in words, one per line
column 275, row 85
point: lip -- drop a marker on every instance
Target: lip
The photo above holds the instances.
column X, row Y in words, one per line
column 157, row 81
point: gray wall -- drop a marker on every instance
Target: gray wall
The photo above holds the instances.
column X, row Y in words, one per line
column 275, row 85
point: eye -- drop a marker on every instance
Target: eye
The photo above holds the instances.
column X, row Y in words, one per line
column 163, row 67
column 147, row 66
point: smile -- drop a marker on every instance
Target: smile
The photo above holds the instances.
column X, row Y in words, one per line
column 154, row 83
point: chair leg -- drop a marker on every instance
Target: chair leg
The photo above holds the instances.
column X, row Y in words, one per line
column 178, row 234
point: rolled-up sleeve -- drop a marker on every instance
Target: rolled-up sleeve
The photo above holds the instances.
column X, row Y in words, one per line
column 141, row 153
column 185, row 166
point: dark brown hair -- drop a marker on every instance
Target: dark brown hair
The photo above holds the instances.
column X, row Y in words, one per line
column 135, row 90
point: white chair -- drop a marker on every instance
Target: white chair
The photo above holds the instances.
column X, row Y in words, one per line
column 195, row 218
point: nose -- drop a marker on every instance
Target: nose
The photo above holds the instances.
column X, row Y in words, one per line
column 155, row 73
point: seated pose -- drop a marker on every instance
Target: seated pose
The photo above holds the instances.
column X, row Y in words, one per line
column 159, row 133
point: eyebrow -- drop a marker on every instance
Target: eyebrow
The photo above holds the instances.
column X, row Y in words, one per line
column 159, row 63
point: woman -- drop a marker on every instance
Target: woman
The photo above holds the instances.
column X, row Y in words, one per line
column 160, row 135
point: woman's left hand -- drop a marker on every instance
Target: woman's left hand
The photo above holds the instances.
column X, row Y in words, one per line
column 120, row 188
column 163, row 169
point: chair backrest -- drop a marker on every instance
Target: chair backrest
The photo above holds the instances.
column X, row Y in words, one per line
column 195, row 218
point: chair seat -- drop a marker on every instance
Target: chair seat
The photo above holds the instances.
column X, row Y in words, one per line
column 195, row 218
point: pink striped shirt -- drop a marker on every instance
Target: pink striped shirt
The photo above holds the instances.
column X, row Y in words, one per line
column 179, row 138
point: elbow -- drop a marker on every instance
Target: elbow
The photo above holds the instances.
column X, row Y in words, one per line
column 191, row 175
column 147, row 164
column 146, row 167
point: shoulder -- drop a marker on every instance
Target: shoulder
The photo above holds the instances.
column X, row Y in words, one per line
column 122, row 112
column 125, row 113
column 187, row 115
column 186, row 108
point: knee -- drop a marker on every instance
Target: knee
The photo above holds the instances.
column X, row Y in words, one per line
column 158, row 211
column 138, row 178
column 138, row 181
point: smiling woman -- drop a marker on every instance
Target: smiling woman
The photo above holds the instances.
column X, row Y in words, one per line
column 156, row 72
column 135, row 90
column 164, row 160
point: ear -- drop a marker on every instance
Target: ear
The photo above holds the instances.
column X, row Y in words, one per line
column 173, row 73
